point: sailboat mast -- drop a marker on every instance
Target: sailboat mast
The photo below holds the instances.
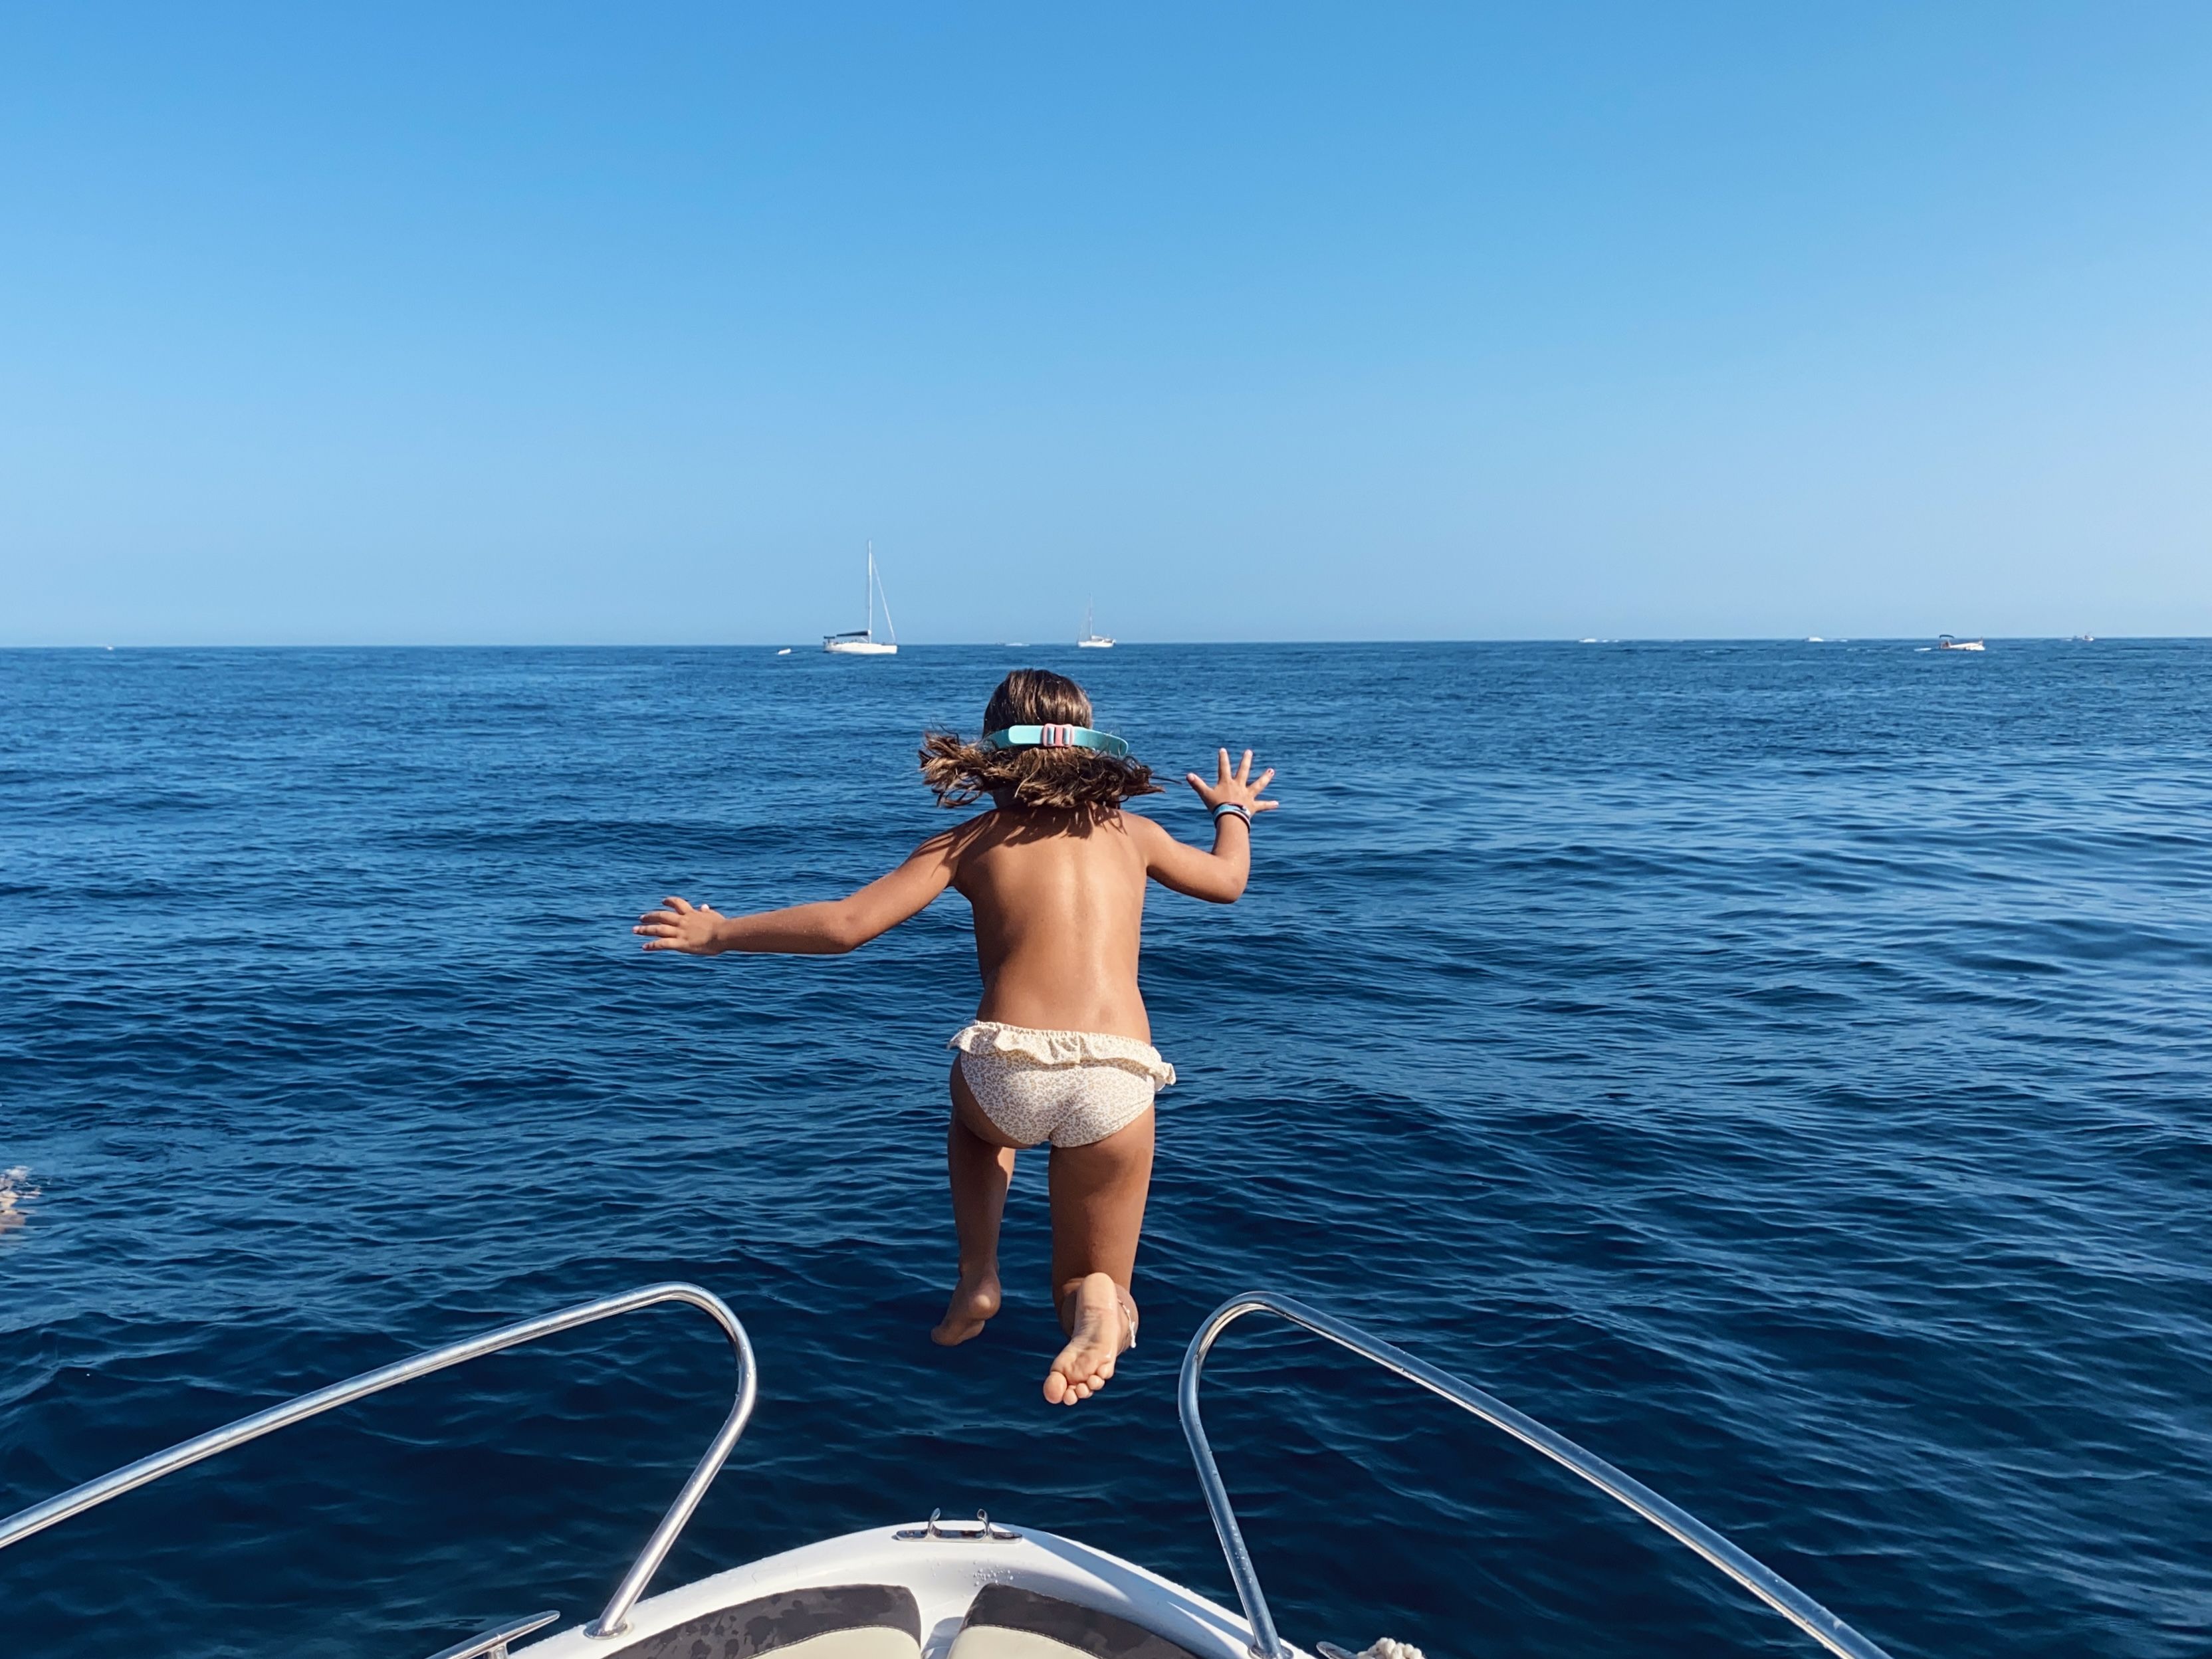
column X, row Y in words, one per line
column 868, row 624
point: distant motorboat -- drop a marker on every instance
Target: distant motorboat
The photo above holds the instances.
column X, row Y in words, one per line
column 1092, row 639
column 1946, row 643
column 785, row 651
column 864, row 642
column 1814, row 639
column 2079, row 639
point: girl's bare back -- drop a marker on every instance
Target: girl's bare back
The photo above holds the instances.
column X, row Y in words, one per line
column 1059, row 898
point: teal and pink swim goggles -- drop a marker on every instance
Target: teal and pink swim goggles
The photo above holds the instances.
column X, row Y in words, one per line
column 1055, row 737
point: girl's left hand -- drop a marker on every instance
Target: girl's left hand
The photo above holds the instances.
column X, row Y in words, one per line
column 690, row 928
column 1238, row 788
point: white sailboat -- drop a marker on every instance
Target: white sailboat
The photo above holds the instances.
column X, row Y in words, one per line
column 864, row 642
column 1092, row 639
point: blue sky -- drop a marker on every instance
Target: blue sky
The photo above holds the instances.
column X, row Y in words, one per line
column 577, row 323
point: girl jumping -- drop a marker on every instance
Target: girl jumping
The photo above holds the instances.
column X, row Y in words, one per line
column 1061, row 1049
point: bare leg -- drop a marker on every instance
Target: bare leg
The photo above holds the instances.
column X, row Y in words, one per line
column 1098, row 1195
column 981, row 1171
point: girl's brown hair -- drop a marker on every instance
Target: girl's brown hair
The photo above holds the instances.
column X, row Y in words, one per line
column 959, row 772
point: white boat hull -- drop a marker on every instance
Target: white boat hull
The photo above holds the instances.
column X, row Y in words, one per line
column 944, row 1575
column 860, row 649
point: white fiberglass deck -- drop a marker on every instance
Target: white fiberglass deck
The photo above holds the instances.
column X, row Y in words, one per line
column 943, row 1573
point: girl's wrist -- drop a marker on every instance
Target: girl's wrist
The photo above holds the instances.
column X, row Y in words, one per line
column 1229, row 809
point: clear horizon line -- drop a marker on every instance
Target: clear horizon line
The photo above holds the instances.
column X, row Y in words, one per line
column 1070, row 645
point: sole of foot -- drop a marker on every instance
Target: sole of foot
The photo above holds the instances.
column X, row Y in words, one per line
column 1103, row 1329
column 974, row 1302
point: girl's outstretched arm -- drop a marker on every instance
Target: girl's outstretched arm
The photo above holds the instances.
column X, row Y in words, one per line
column 1219, row 876
column 828, row 928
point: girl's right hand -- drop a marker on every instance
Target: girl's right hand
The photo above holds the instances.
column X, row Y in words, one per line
column 1238, row 789
column 686, row 927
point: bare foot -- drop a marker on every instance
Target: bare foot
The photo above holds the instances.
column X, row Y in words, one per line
column 1105, row 1325
column 974, row 1301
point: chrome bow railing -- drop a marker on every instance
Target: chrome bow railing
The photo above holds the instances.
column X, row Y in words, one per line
column 612, row 1619
column 1762, row 1581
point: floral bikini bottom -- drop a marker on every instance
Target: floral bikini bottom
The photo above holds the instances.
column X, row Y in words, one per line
column 1070, row 1088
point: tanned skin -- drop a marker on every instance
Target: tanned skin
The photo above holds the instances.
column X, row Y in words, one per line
column 1058, row 902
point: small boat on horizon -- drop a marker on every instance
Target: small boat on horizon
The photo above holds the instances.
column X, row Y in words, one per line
column 1092, row 639
column 1947, row 642
column 863, row 642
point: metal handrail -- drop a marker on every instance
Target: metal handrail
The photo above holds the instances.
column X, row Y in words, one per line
column 612, row 1620
column 1762, row 1581
column 492, row 1643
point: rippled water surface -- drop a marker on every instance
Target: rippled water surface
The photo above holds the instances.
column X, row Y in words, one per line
column 1784, row 1068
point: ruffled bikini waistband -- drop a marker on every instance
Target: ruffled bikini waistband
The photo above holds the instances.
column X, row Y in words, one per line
column 1058, row 1048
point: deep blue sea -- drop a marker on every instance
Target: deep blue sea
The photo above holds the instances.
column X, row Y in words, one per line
column 1784, row 1067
